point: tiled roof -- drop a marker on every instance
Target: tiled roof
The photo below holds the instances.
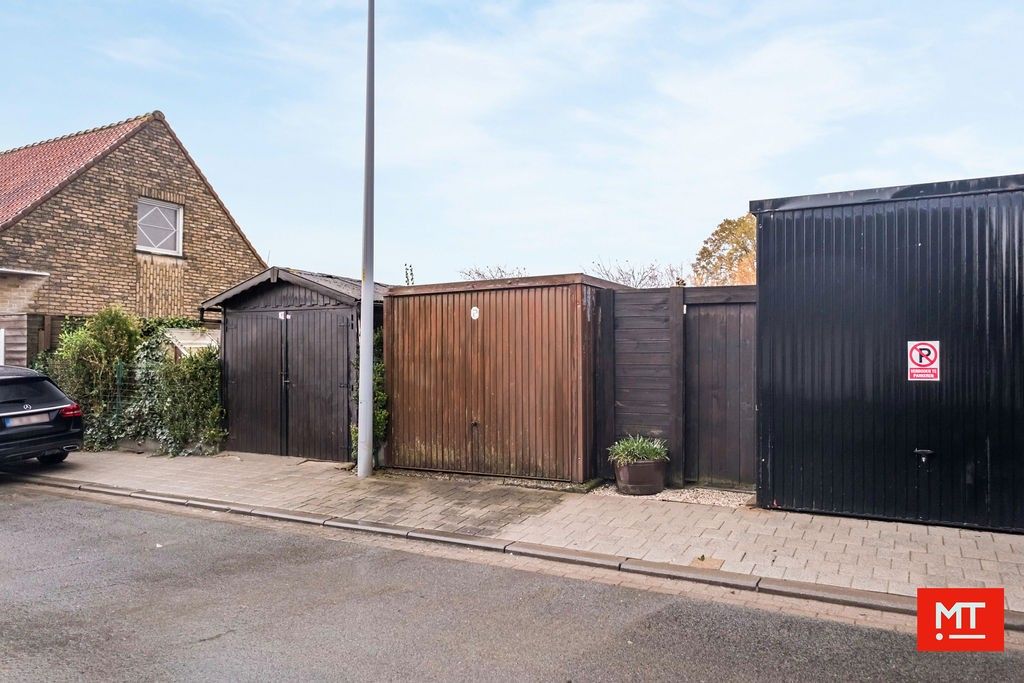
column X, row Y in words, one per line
column 31, row 174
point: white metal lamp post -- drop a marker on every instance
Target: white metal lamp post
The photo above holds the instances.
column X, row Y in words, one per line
column 365, row 447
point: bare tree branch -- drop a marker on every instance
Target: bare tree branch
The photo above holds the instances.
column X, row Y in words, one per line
column 640, row 276
column 491, row 273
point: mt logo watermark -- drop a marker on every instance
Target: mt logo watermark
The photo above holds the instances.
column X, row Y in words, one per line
column 960, row 619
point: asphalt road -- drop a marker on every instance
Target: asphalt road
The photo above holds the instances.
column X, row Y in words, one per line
column 103, row 591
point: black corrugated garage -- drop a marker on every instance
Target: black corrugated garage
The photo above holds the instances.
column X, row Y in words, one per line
column 890, row 358
column 287, row 350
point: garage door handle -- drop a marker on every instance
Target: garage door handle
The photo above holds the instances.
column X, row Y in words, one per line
column 923, row 451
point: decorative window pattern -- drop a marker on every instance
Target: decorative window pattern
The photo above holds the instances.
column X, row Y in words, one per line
column 159, row 227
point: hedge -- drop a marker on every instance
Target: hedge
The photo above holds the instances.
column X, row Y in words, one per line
column 116, row 367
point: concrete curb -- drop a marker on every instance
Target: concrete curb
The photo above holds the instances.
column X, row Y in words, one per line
column 886, row 602
column 110, row 490
column 482, row 542
column 159, row 497
column 208, row 504
column 372, row 527
column 290, row 516
column 714, row 577
column 550, row 552
column 850, row 597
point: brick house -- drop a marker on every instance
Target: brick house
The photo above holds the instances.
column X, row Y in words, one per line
column 114, row 215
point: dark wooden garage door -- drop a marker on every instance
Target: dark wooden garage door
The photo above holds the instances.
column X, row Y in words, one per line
column 287, row 382
column 252, row 382
column 317, row 384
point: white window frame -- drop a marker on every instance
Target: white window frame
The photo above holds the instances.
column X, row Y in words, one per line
column 180, row 212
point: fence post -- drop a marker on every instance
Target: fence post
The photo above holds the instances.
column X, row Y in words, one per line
column 677, row 424
column 604, row 384
column 118, row 385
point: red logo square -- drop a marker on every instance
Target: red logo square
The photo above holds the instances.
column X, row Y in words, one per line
column 960, row 619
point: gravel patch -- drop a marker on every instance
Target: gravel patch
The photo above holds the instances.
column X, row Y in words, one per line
column 691, row 494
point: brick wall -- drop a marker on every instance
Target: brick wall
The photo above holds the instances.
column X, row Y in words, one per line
column 85, row 237
column 18, row 292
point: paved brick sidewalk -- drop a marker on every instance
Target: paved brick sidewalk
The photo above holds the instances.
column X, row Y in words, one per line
column 881, row 556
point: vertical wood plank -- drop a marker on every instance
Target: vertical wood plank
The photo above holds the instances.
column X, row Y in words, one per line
column 677, row 402
column 604, row 382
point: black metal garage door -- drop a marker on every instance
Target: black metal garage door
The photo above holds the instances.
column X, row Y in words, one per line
column 846, row 283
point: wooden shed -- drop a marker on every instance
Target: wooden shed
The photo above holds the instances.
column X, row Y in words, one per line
column 500, row 377
column 288, row 350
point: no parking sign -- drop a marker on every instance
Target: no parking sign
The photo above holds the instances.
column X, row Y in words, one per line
column 923, row 361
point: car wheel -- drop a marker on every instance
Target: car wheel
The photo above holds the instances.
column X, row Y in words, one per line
column 52, row 459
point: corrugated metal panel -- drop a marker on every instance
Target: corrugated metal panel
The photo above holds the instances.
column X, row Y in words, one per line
column 509, row 393
column 842, row 291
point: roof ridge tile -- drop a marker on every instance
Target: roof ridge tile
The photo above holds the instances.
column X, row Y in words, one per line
column 155, row 114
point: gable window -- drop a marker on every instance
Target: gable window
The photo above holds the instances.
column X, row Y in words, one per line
column 158, row 228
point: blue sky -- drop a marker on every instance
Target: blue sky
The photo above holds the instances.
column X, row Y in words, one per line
column 545, row 135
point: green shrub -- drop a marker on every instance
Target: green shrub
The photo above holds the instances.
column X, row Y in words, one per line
column 42, row 361
column 116, row 367
column 142, row 417
column 637, row 449
column 155, row 325
column 91, row 363
column 381, row 415
column 189, row 404
column 117, row 332
column 79, row 366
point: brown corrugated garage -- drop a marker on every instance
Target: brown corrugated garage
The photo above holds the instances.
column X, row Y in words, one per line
column 500, row 377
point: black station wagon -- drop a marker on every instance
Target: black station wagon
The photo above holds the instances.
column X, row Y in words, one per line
column 37, row 419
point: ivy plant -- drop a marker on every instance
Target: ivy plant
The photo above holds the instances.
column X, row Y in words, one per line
column 117, row 367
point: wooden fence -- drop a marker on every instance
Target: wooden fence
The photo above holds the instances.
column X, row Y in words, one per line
column 684, row 364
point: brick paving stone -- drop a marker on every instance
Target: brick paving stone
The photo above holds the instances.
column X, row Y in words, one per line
column 869, row 584
column 795, row 574
column 769, row 571
column 962, row 562
column 830, row 579
column 891, row 574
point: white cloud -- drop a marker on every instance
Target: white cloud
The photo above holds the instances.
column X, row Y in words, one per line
column 959, row 152
column 576, row 131
column 147, row 52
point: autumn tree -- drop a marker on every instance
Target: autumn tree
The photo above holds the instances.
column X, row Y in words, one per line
column 491, row 273
column 729, row 255
column 638, row 275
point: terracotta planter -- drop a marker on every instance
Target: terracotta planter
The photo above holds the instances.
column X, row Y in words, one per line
column 641, row 478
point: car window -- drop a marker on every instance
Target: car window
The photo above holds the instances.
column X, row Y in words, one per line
column 37, row 392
